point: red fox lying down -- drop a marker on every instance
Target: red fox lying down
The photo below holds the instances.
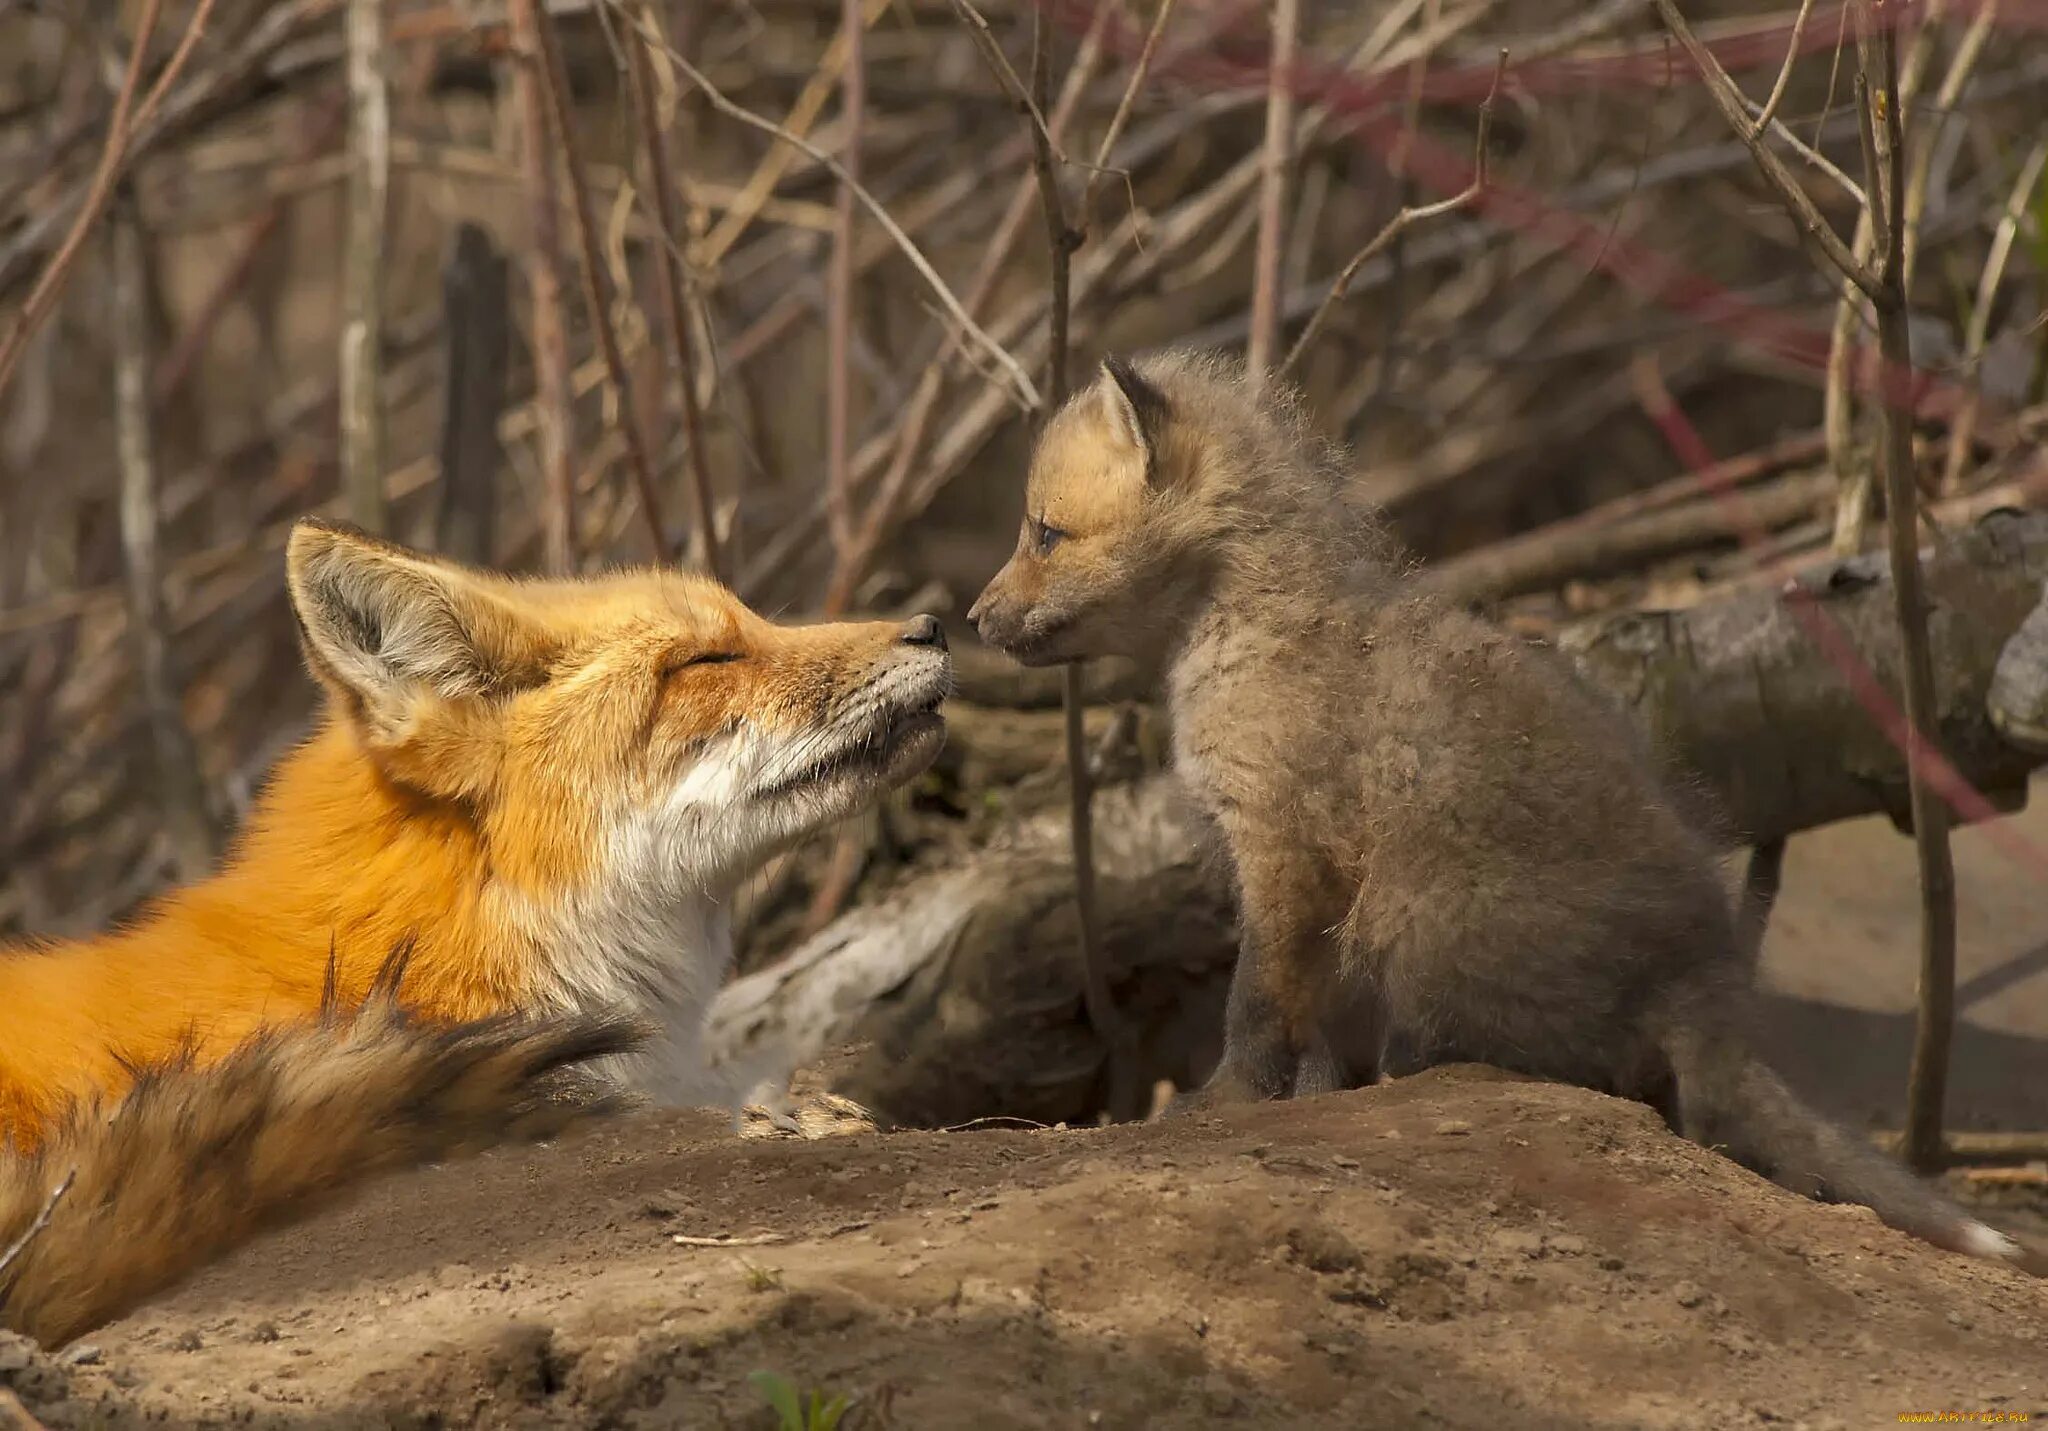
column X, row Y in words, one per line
column 509, row 848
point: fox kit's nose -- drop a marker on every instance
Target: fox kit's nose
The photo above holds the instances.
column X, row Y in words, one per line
column 924, row 631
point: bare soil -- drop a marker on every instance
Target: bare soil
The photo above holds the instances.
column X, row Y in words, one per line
column 1457, row 1250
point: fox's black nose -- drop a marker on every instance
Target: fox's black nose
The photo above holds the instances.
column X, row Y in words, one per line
column 924, row 631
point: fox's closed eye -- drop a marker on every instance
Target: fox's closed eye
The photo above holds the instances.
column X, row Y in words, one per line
column 699, row 658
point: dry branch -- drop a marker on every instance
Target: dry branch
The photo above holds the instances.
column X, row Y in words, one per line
column 754, row 194
column 1927, row 1085
column 1728, row 98
column 1409, row 214
column 555, row 410
column 1769, row 111
column 362, row 294
column 113, row 154
column 1024, row 390
column 35, row 1228
column 1854, row 469
column 187, row 823
column 839, row 288
column 1880, row 102
column 682, row 344
column 1978, row 332
column 1578, row 551
column 1114, row 130
column 1275, row 162
column 1060, row 241
column 597, row 283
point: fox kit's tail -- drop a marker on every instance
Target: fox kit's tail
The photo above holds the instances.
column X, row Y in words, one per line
column 1727, row 1098
column 195, row 1161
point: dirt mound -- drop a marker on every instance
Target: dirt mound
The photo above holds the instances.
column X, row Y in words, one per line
column 1455, row 1250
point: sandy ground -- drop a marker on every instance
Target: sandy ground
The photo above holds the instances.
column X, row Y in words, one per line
column 1456, row 1250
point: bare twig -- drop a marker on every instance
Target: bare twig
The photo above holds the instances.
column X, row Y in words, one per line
column 1408, row 215
column 839, row 288
column 113, row 156
column 1927, row 1084
column 1023, row 389
column 810, row 103
column 362, row 297
column 1769, row 111
column 1946, row 101
column 187, row 823
column 726, row 1239
column 1979, row 330
column 1140, row 69
column 1735, row 109
column 1276, row 158
column 1854, row 470
column 1059, row 235
column 1061, row 241
column 555, row 410
column 1813, row 157
column 1005, row 73
column 682, row 343
column 597, row 282
column 35, row 1229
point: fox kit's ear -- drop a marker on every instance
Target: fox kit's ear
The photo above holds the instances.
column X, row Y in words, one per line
column 385, row 627
column 1134, row 409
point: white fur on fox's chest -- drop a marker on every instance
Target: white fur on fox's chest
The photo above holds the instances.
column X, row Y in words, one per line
column 649, row 930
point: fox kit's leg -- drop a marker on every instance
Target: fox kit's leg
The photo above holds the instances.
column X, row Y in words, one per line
column 1273, row 1044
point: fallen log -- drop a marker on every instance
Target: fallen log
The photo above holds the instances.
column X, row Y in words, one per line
column 964, row 991
column 1740, row 695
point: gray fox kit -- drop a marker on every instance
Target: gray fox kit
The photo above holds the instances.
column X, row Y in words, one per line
column 1445, row 847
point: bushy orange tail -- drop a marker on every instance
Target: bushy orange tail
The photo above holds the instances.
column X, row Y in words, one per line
column 195, row 1161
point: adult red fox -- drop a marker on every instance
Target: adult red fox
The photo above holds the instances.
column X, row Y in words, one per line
column 510, row 846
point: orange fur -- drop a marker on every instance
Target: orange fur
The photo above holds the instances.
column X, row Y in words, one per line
column 496, row 756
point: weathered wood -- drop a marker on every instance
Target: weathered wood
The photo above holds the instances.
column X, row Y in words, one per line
column 2018, row 701
column 964, row 988
column 1741, row 696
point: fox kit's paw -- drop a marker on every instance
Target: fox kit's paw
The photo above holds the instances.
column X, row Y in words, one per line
column 1223, row 1088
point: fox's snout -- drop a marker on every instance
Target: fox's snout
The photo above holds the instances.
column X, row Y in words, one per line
column 997, row 615
column 925, row 630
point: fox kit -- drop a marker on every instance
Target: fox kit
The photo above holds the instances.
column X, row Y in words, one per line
column 542, row 793
column 1445, row 848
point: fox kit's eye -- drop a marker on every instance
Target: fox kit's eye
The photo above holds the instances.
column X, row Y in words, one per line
column 1043, row 537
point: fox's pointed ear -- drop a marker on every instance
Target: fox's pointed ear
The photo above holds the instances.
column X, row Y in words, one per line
column 1134, row 409
column 386, row 628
